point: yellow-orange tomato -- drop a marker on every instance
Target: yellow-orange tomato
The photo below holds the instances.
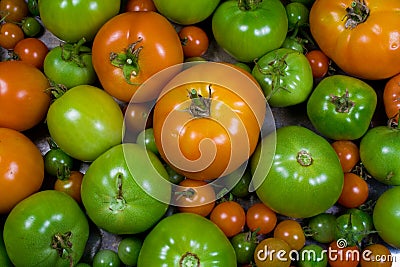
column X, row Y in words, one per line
column 376, row 255
column 23, row 98
column 361, row 37
column 291, row 232
column 71, row 184
column 272, row 252
column 21, row 168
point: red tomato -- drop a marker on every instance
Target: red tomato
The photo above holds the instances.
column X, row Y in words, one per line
column 319, row 63
column 355, row 191
column 348, row 154
column 10, row 35
column 261, row 218
column 21, row 168
column 131, row 47
column 229, row 216
column 15, row 10
column 391, row 97
column 194, row 41
column 24, row 100
column 140, row 5
column 32, row 51
column 70, row 183
column 343, row 256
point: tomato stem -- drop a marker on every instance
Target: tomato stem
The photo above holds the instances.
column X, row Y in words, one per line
column 357, row 13
column 189, row 260
column 247, row 5
column 200, row 106
column 343, row 104
column 63, row 245
column 74, row 52
column 304, row 158
column 119, row 202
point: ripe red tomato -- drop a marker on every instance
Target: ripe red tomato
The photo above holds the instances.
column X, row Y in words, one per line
column 261, row 218
column 229, row 216
column 23, row 98
column 140, row 5
column 10, row 35
column 194, row 41
column 391, row 97
column 348, row 153
column 32, row 51
column 15, row 10
column 341, row 255
column 141, row 44
column 21, row 168
column 355, row 191
column 319, row 63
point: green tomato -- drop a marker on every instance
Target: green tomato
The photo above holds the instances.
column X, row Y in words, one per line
column 351, row 228
column 386, row 216
column 297, row 14
column 322, row 227
column 73, row 20
column 128, row 250
column 241, row 188
column 33, row 7
column 186, row 12
column 312, row 255
column 248, row 31
column 31, row 27
column 146, row 139
column 4, row 259
column 294, row 43
column 85, row 122
column 306, row 177
column 55, row 160
column 106, row 258
column 341, row 107
column 70, row 65
column 46, row 229
column 364, row 216
column 244, row 244
column 285, row 76
column 112, row 196
column 379, row 153
column 186, row 239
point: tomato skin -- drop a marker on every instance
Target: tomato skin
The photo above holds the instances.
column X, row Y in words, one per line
column 32, row 51
column 92, row 109
column 379, row 153
column 272, row 252
column 349, row 121
column 343, row 256
column 186, row 12
column 31, row 226
column 10, row 35
column 71, row 184
column 106, row 257
column 244, row 244
column 355, row 191
column 180, row 233
column 319, row 63
column 4, row 259
column 22, row 168
column 23, row 102
column 376, row 255
column 291, row 232
column 140, row 5
column 348, row 153
column 16, row 10
column 60, row 18
column 194, row 41
column 229, row 216
column 153, row 32
column 349, row 53
column 229, row 20
column 290, row 187
column 391, row 97
column 261, row 218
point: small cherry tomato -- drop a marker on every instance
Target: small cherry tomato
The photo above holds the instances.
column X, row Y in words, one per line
column 32, row 51
column 31, row 26
column 348, row 154
column 341, row 255
column 140, row 5
column 291, row 232
column 70, row 182
column 194, row 41
column 261, row 218
column 355, row 191
column 229, row 216
column 13, row 10
column 10, row 35
column 376, row 255
column 319, row 63
column 272, row 252
column 391, row 97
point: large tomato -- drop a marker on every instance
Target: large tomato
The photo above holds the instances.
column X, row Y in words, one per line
column 207, row 120
column 21, row 168
column 359, row 35
column 23, row 98
column 306, row 177
column 130, row 48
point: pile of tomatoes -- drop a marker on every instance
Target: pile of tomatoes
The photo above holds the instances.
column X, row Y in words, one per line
column 199, row 133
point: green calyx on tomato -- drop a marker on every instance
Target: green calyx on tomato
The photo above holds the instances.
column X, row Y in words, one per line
column 351, row 228
column 341, row 107
column 357, row 13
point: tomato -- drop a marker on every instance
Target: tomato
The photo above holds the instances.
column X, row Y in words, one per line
column 10, row 35
column 70, row 65
column 82, row 114
column 391, row 97
column 69, row 181
column 118, row 188
column 229, row 216
column 379, row 153
column 312, row 255
column 21, row 166
column 186, row 239
column 140, row 5
column 31, row 27
column 13, row 10
column 319, row 63
column 260, row 218
column 201, row 103
column 60, row 17
column 129, row 249
column 33, row 7
column 241, row 189
column 137, row 118
column 250, row 29
column 355, row 191
column 55, row 159
column 32, row 51
column 140, row 44
column 272, row 252
column 348, row 153
column 186, row 12
column 351, row 229
column 345, row 30
column 244, row 244
column 295, row 43
column 364, row 216
column 105, row 258
column 305, row 178
column 297, row 14
column 146, row 138
column 341, row 255
column 376, row 255
column 291, row 232
column 195, row 196
column 44, row 233
column 4, row 259
column 194, row 41
column 341, row 107
column 285, row 77
column 23, row 102
column 322, row 227
column 386, row 217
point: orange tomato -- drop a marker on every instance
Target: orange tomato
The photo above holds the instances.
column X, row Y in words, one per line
column 140, row 5
column 376, row 255
column 32, row 51
column 355, row 191
column 229, row 216
column 359, row 35
column 10, row 35
column 348, row 153
column 291, row 232
column 391, row 97
column 260, row 217
column 343, row 256
column 23, row 98
column 21, row 168
column 194, row 41
column 70, row 183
